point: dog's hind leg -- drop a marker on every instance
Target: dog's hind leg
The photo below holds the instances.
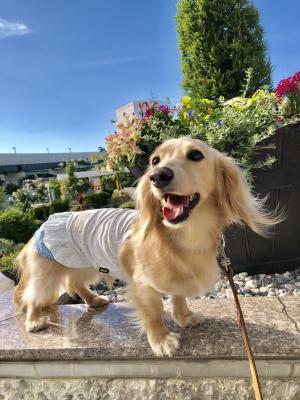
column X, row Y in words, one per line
column 92, row 299
column 40, row 292
column 79, row 280
column 38, row 287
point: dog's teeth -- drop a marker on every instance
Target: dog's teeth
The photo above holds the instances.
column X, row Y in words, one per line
column 191, row 198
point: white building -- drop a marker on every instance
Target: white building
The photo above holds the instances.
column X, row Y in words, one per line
column 134, row 107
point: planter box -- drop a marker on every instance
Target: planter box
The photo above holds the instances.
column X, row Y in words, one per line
column 253, row 254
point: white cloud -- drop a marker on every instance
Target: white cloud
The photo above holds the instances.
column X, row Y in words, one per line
column 8, row 28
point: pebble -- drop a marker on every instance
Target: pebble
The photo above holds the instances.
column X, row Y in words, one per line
column 229, row 294
column 263, row 289
column 288, row 286
column 120, row 297
column 252, row 284
column 120, row 290
column 287, row 274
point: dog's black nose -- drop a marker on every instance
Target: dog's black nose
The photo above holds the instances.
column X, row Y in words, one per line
column 162, row 177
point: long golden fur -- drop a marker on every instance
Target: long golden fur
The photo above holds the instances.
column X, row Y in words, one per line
column 159, row 257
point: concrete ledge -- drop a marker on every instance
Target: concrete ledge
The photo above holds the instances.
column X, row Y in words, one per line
column 81, row 333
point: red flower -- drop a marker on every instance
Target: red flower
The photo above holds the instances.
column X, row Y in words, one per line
column 149, row 112
column 290, row 85
column 164, row 109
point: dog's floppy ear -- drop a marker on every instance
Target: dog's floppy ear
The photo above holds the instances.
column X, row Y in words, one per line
column 146, row 203
column 237, row 202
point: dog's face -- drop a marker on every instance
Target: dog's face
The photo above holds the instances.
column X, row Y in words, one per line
column 182, row 176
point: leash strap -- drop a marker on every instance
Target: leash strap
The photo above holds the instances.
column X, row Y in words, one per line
column 225, row 263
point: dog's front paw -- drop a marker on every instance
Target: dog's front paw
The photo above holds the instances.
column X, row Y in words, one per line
column 164, row 344
column 99, row 301
column 35, row 325
column 187, row 320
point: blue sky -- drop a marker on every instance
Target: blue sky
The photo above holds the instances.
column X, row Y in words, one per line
column 65, row 65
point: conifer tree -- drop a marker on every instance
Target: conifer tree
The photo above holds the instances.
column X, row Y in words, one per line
column 219, row 40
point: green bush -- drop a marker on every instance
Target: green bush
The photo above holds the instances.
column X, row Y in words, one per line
column 9, row 188
column 16, row 225
column 7, row 263
column 97, row 200
column 41, row 212
column 118, row 197
column 2, row 199
column 108, row 183
column 59, row 206
column 8, row 246
column 8, row 253
column 54, row 186
column 127, row 204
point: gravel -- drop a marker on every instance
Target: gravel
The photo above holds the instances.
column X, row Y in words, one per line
column 286, row 284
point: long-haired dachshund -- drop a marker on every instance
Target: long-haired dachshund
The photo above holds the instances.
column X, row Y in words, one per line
column 188, row 195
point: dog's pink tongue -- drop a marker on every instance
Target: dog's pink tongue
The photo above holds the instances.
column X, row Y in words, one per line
column 174, row 206
column 172, row 211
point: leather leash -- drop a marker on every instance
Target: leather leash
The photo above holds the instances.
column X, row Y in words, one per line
column 229, row 271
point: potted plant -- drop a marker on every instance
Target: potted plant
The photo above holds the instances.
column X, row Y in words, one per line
column 281, row 251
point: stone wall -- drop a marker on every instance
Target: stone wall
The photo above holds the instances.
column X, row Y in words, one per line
column 145, row 389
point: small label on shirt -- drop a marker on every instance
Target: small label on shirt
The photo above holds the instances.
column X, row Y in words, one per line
column 104, row 270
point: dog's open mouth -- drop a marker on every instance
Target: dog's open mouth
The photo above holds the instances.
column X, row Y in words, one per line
column 177, row 207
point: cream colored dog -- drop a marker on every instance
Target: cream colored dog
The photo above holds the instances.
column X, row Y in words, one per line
column 188, row 195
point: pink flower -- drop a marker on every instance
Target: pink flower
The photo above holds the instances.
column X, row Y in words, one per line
column 149, row 112
column 164, row 109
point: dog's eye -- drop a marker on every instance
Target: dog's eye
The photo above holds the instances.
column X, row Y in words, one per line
column 195, row 155
column 155, row 161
